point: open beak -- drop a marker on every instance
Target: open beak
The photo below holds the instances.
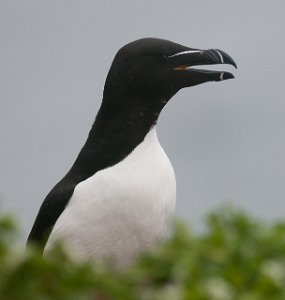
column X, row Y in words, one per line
column 185, row 60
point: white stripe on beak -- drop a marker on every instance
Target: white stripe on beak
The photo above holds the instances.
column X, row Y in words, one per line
column 185, row 52
column 220, row 55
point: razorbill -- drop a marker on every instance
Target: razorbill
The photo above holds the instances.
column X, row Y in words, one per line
column 119, row 195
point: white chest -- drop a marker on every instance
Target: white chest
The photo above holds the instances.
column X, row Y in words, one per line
column 121, row 210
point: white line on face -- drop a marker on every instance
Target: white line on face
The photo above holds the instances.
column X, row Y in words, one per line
column 220, row 55
column 222, row 76
column 185, row 52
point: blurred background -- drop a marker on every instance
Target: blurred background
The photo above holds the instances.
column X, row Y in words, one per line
column 225, row 140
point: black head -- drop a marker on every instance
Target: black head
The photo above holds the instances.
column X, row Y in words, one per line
column 155, row 67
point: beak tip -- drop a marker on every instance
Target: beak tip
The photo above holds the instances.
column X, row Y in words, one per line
column 225, row 58
column 226, row 76
column 231, row 62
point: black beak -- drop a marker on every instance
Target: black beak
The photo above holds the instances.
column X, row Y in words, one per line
column 185, row 60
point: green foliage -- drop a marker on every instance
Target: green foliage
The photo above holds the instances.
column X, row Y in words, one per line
column 236, row 257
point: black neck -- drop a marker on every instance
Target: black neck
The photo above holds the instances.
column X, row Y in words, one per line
column 117, row 130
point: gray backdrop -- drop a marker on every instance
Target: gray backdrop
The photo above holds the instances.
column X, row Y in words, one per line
column 225, row 140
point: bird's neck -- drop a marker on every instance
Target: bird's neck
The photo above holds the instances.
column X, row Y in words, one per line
column 116, row 132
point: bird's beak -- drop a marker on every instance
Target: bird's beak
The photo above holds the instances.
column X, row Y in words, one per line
column 185, row 60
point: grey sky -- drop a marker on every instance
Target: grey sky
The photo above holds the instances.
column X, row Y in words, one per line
column 225, row 140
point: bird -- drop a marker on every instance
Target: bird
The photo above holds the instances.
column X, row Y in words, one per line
column 118, row 198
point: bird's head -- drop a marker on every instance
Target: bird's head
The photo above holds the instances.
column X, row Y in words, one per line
column 159, row 67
